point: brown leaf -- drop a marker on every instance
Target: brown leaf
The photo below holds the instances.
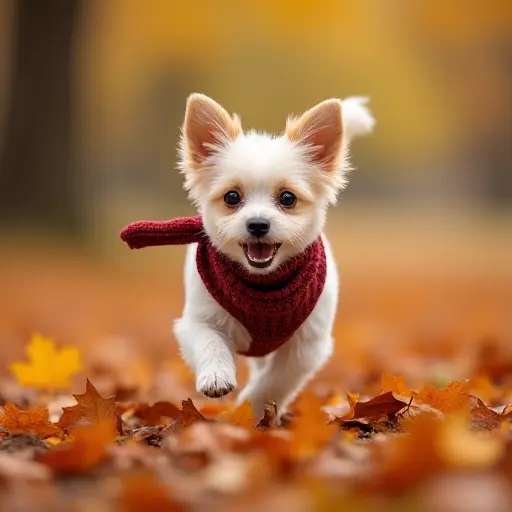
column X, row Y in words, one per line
column 91, row 409
column 483, row 417
column 188, row 416
column 451, row 399
column 153, row 415
column 189, row 413
column 86, row 448
column 34, row 421
column 381, row 406
column 269, row 417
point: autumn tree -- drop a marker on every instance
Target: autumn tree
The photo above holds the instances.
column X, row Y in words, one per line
column 37, row 183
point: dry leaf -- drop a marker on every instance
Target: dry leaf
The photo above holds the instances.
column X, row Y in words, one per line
column 451, row 399
column 242, row 416
column 153, row 415
column 189, row 413
column 480, row 385
column 483, row 417
column 269, row 417
column 397, row 459
column 91, row 408
column 48, row 367
column 310, row 430
column 396, row 385
column 86, row 447
column 458, row 446
column 341, row 407
column 34, row 421
column 381, row 406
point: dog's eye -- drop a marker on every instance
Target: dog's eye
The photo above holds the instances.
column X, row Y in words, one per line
column 232, row 198
column 287, row 199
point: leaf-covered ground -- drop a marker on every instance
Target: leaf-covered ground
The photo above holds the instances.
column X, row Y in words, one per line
column 98, row 412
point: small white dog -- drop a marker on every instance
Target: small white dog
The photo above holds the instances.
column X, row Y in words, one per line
column 260, row 278
column 263, row 201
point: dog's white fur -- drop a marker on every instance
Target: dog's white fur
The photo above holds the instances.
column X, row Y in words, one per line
column 311, row 160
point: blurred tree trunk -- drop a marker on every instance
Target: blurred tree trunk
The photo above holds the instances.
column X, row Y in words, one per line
column 37, row 184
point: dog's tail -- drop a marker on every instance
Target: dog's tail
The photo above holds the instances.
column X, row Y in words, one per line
column 357, row 117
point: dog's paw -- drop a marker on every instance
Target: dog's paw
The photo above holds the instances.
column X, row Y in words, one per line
column 215, row 384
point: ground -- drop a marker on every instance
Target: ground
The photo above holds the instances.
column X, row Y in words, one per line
column 410, row 414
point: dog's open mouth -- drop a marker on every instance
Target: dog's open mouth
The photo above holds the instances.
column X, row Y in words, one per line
column 259, row 254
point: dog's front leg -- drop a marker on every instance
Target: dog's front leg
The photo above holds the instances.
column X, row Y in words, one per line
column 210, row 354
column 286, row 372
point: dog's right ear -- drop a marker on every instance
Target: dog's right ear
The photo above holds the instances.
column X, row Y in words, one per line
column 206, row 129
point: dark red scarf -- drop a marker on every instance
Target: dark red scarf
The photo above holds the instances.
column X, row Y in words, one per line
column 270, row 306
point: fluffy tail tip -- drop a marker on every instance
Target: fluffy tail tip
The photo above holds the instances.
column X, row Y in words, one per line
column 357, row 117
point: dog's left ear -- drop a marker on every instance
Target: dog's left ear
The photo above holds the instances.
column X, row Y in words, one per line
column 320, row 130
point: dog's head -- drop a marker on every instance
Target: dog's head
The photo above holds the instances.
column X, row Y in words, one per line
column 263, row 198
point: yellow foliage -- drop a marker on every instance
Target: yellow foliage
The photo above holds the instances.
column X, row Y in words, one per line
column 48, row 367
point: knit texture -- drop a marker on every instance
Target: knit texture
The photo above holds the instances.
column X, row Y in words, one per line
column 270, row 306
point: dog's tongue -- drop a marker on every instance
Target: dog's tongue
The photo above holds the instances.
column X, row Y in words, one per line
column 260, row 252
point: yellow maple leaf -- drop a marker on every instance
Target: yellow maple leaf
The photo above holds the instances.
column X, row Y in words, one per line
column 48, row 367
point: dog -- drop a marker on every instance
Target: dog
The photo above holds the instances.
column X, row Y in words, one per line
column 263, row 201
column 260, row 277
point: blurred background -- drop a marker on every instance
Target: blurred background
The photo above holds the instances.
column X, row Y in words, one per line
column 92, row 97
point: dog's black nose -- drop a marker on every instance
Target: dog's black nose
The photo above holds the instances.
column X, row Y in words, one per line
column 258, row 226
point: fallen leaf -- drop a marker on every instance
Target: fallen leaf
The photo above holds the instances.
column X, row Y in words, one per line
column 341, row 407
column 310, row 430
column 86, row 447
column 242, row 416
column 483, row 417
column 458, row 446
column 48, row 367
column 153, row 415
column 451, row 399
column 269, row 417
column 384, row 405
column 396, row 466
column 189, row 413
column 32, row 421
column 480, row 385
column 91, row 409
column 396, row 385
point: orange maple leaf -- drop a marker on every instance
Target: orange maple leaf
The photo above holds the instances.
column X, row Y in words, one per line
column 242, row 416
column 310, row 430
column 34, row 421
column 394, row 384
column 451, row 399
column 87, row 447
column 91, row 409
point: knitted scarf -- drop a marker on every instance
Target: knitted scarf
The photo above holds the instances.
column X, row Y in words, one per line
column 270, row 306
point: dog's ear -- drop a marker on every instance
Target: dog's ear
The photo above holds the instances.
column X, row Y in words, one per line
column 320, row 130
column 207, row 127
